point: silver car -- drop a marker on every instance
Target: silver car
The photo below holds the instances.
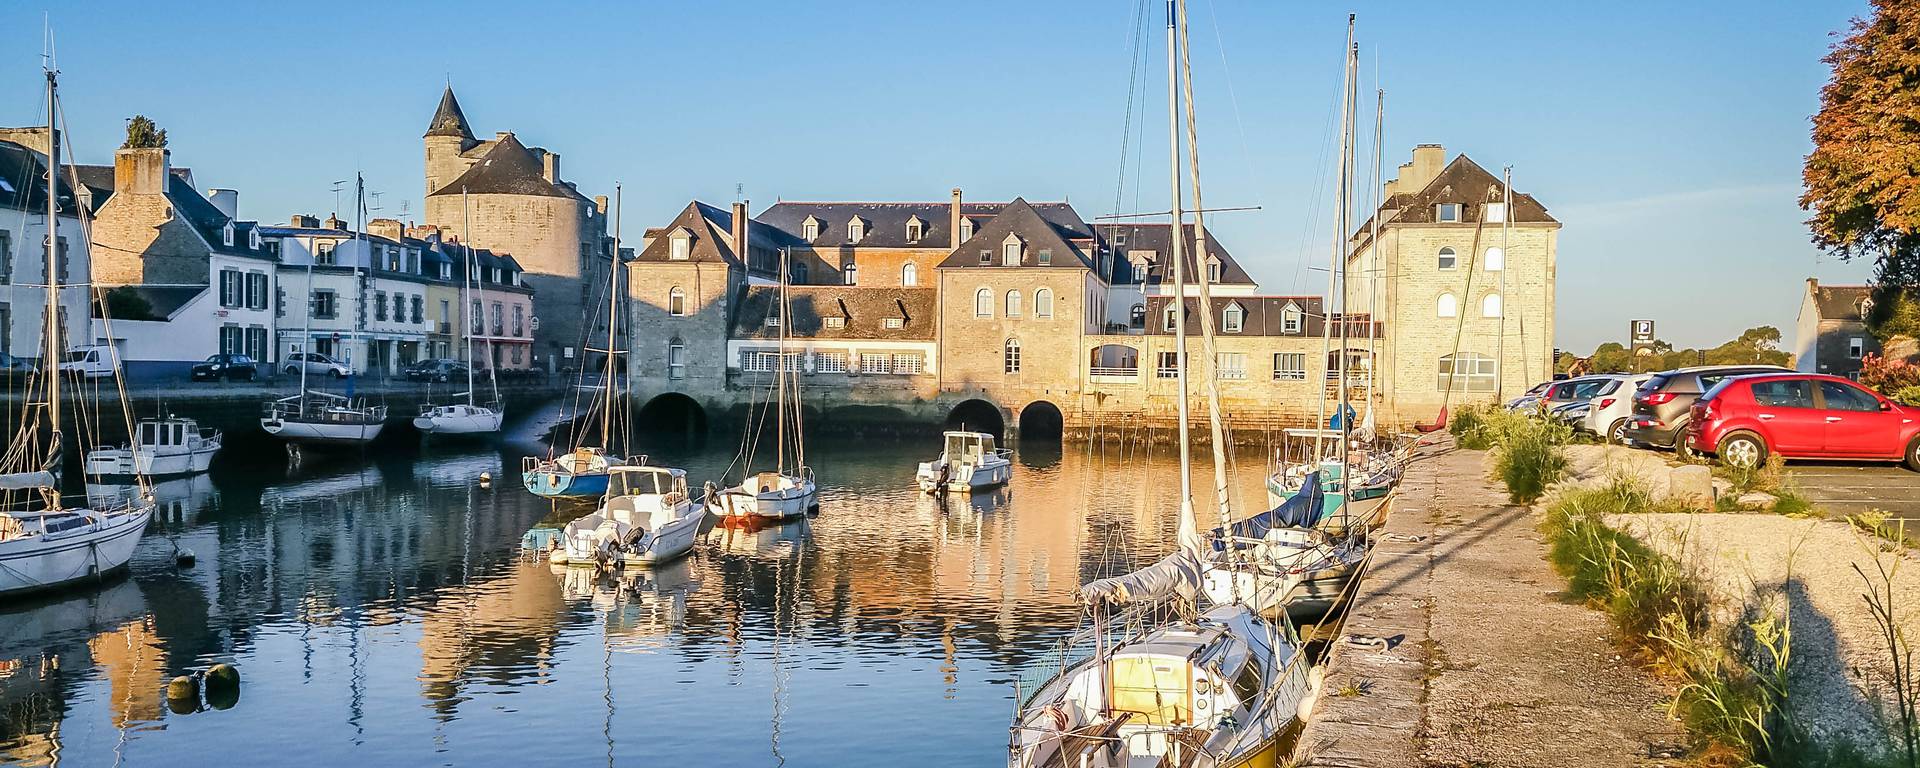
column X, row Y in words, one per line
column 1612, row 410
column 316, row 364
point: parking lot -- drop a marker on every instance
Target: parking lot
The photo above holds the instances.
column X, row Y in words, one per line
column 1850, row 488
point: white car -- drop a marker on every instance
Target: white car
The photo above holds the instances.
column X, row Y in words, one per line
column 316, row 364
column 93, row 361
column 1612, row 407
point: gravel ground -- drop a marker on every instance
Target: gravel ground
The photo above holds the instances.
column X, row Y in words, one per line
column 1840, row 672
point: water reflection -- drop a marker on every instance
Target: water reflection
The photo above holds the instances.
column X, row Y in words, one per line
column 392, row 612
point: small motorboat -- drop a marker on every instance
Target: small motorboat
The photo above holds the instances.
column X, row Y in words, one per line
column 969, row 463
column 579, row 473
column 161, row 449
column 646, row 518
column 769, row 497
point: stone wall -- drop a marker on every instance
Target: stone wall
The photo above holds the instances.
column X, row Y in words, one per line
column 710, row 289
column 544, row 234
column 973, row 349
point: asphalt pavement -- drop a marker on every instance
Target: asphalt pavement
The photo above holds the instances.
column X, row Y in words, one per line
column 1851, row 487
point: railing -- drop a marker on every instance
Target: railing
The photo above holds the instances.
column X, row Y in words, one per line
column 1115, row 372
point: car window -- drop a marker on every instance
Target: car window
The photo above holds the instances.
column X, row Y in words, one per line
column 1608, row 387
column 1588, row 389
column 213, row 358
column 1784, row 393
column 242, row 360
column 1846, row 397
column 1561, row 392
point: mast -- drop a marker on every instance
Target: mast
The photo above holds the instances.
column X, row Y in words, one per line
column 1373, row 237
column 1215, row 430
column 359, row 290
column 52, row 364
column 1189, row 532
column 1346, row 223
column 613, row 316
column 1506, row 226
column 466, row 286
column 1339, row 239
column 780, row 378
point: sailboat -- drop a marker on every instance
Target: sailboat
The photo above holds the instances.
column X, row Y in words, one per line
column 44, row 541
column 324, row 418
column 470, row 417
column 583, row 471
column 787, row 491
column 1215, row 690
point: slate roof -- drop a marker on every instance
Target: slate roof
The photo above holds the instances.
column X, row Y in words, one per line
column 1265, row 316
column 22, row 180
column 887, row 222
column 1463, row 181
column 712, row 230
column 162, row 300
column 448, row 120
column 1155, row 237
column 1840, row 302
column 1037, row 233
column 99, row 179
column 865, row 309
column 509, row 168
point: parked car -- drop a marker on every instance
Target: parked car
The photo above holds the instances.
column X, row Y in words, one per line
column 316, row 364
column 439, row 369
column 1571, row 414
column 1744, row 420
column 1529, row 399
column 1612, row 409
column 229, row 367
column 1661, row 406
column 1578, row 390
column 93, row 361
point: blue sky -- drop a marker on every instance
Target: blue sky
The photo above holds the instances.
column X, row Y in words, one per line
column 1667, row 138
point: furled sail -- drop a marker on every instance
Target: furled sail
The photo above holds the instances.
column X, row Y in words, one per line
column 1301, row 510
column 17, row 481
column 1175, row 576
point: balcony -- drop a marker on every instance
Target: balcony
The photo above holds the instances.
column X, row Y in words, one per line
column 1114, row 374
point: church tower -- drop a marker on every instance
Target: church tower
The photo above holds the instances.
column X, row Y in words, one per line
column 448, row 137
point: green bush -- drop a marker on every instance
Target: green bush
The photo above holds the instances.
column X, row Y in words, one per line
column 1527, row 453
column 1908, row 396
column 1469, row 426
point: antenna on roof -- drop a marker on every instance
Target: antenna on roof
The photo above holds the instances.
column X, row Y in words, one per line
column 336, row 195
column 376, row 200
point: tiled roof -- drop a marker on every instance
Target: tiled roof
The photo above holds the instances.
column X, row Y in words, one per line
column 23, row 180
column 1464, row 182
column 1037, row 235
column 864, row 310
column 162, row 300
column 448, row 120
column 712, row 232
column 509, row 168
column 886, row 223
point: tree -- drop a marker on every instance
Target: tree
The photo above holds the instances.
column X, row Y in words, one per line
column 143, row 134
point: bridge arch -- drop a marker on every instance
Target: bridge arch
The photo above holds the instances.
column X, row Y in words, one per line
column 978, row 416
column 671, row 413
column 1041, row 423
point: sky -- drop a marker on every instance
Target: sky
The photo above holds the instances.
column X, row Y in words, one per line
column 1666, row 137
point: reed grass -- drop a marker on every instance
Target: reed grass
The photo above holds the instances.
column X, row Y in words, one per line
column 1527, row 453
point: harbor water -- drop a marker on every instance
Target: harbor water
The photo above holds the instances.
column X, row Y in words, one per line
column 387, row 610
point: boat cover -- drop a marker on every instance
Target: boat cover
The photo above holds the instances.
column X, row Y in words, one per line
column 1176, row 575
column 16, row 481
column 1301, row 510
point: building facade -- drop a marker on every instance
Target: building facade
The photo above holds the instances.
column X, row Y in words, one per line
column 23, row 253
column 1830, row 334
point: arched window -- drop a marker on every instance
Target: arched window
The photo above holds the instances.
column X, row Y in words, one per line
column 909, row 274
column 1043, row 302
column 1448, row 306
column 983, row 303
column 1448, row 259
column 1466, row 372
column 677, row 302
column 1013, row 356
column 1137, row 316
column 1496, row 259
column 1490, row 305
column 1013, row 303
column 853, row 274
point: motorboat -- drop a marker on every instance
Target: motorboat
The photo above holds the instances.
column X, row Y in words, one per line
column 645, row 518
column 579, row 473
column 969, row 463
column 458, row 419
column 769, row 497
column 161, row 449
column 323, row 418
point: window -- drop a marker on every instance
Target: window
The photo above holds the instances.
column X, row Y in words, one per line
column 1013, row 303
column 1290, row 318
column 6, row 258
column 676, row 361
column 323, row 253
column 226, row 235
column 681, row 248
column 1490, row 305
column 1446, row 212
column 986, row 257
column 1466, row 372
column 1043, row 302
column 1493, row 213
column 446, row 315
column 256, row 290
column 909, row 274
column 1865, row 306
column 773, row 321
column 231, row 291
column 1172, row 315
column 810, row 229
column 830, row 362
column 983, row 303
column 1010, row 251
column 232, row 340
column 1845, row 397
column 1289, row 366
column 1447, row 306
column 1013, row 356
column 876, row 362
column 1232, row 319
column 966, row 229
column 477, row 320
column 418, row 315
column 907, row 364
column 915, row 229
column 324, row 305
column 856, row 231
column 379, row 305
column 1213, row 270
column 257, row 341
column 1230, row 366
column 1168, row 367
column 1448, row 259
column 852, row 276
column 1791, row 393
column 677, row 302
column 1496, row 259
column 516, row 354
column 799, row 274
column 755, row 361
column 1856, row 347
column 1045, row 256
column 836, row 321
column 1137, row 316
column 895, row 323
column 519, row 320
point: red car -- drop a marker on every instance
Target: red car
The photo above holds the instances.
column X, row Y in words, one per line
column 1804, row 416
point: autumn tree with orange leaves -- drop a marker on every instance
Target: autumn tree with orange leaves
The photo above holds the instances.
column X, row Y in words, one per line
column 1863, row 177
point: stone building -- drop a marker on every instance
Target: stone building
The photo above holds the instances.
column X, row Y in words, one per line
column 1830, row 335
column 1465, row 287
column 519, row 204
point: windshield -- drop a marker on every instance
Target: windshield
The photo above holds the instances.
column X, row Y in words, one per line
column 216, row 358
column 78, row 357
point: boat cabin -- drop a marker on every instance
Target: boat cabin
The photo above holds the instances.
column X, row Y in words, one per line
column 168, row 435
column 968, row 447
column 645, row 496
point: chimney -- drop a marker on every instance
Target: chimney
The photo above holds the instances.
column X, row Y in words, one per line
column 227, row 200
column 391, row 229
column 550, row 166
column 31, row 137
column 740, row 229
column 142, row 171
column 303, row 221
column 1428, row 161
column 334, row 222
column 600, row 202
column 953, row 222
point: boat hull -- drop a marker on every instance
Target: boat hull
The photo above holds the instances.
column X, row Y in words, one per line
column 323, row 433
column 471, row 424
column 562, row 484
column 769, row 506
column 969, row 479
column 668, row 543
column 39, row 563
column 121, row 465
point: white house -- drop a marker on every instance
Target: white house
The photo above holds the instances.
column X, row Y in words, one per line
column 23, row 254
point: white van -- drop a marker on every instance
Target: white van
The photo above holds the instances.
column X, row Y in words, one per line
column 93, row 361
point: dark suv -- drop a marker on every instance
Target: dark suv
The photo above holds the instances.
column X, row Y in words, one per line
column 1661, row 405
column 441, row 370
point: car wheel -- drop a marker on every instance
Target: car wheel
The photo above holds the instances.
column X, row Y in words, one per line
column 251, row 375
column 337, row 374
column 1913, row 455
column 1743, row 450
column 1617, row 434
column 291, row 371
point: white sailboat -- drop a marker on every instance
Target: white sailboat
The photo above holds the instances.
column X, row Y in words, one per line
column 969, row 463
column 786, row 492
column 45, row 542
column 324, row 418
column 1214, row 691
column 646, row 518
column 470, row 417
column 160, row 449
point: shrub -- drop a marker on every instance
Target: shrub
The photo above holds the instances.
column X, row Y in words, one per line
column 1527, row 454
column 1888, row 376
column 1907, row 396
column 1469, row 426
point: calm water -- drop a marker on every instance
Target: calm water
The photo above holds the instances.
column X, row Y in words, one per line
column 383, row 612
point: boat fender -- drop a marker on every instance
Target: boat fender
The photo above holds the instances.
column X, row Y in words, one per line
column 1057, row 717
column 486, row 479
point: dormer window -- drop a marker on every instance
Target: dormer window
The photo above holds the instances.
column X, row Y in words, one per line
column 856, row 230
column 916, row 229
column 446, row 270
column 1044, row 256
column 1010, row 251
column 1865, row 306
column 986, row 257
column 1213, row 269
column 253, row 239
column 226, row 235
column 966, row 229
column 810, row 229
column 1290, row 318
column 681, row 246
column 1173, row 313
column 1446, row 212
column 1233, row 318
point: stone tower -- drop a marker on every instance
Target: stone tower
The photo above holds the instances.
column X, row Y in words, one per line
column 448, row 139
